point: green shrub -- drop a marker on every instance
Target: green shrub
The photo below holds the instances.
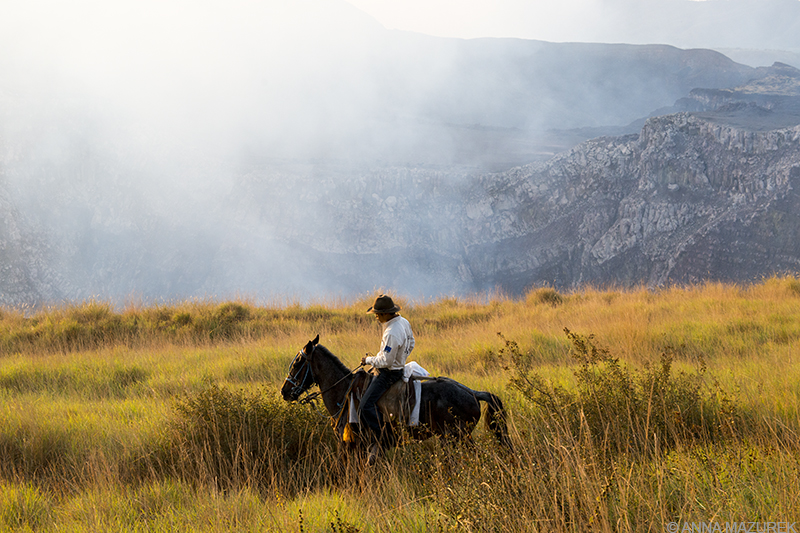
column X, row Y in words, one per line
column 544, row 295
column 622, row 410
column 238, row 438
column 793, row 285
column 182, row 319
column 229, row 320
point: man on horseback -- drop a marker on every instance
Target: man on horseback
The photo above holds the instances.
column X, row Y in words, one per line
column 396, row 345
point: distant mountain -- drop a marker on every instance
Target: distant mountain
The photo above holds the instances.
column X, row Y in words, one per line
column 692, row 197
column 765, row 25
column 493, row 103
column 320, row 79
column 753, row 24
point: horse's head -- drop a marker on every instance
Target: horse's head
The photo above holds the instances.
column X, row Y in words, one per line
column 300, row 377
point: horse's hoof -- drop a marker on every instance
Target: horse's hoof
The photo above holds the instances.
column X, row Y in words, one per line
column 372, row 457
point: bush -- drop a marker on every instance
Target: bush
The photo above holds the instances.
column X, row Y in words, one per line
column 236, row 438
column 229, row 320
column 544, row 295
column 621, row 410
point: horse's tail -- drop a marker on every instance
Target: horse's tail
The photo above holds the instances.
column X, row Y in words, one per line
column 495, row 416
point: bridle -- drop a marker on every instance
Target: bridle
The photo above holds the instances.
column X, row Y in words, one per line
column 297, row 384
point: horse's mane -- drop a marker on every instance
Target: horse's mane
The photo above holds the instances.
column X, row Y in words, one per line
column 335, row 360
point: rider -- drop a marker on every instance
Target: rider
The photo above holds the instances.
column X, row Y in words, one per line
column 396, row 344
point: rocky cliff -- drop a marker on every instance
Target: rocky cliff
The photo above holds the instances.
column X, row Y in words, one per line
column 26, row 273
column 687, row 199
column 693, row 196
column 710, row 195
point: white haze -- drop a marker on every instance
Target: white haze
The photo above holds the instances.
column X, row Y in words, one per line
column 762, row 24
column 126, row 127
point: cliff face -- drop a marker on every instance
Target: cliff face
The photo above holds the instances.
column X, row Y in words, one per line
column 691, row 197
column 686, row 200
column 26, row 273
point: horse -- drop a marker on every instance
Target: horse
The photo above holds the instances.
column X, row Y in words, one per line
column 449, row 409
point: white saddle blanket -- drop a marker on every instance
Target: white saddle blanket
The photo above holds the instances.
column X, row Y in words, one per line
column 411, row 370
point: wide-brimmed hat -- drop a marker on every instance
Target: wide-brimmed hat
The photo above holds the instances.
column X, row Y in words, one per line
column 384, row 305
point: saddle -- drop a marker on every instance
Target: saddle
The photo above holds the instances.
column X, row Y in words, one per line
column 399, row 404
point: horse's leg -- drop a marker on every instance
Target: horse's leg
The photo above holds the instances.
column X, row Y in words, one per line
column 461, row 431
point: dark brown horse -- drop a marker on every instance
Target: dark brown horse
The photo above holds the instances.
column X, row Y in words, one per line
column 448, row 408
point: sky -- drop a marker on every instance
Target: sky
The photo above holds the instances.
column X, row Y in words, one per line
column 468, row 19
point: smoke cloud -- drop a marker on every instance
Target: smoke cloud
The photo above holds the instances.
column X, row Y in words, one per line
column 177, row 149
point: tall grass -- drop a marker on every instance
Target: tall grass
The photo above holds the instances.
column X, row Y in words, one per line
column 628, row 410
column 93, row 325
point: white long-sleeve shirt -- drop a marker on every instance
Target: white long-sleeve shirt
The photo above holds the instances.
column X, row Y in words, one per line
column 397, row 343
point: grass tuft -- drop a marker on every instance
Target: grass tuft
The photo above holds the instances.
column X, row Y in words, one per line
column 544, row 295
column 24, row 508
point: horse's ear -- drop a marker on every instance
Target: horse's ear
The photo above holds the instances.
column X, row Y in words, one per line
column 316, row 340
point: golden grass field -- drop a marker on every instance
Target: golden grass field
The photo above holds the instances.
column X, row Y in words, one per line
column 661, row 408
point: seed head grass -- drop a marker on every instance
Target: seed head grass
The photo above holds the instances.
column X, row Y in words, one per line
column 628, row 409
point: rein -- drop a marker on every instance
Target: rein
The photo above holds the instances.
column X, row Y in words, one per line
column 310, row 397
column 313, row 397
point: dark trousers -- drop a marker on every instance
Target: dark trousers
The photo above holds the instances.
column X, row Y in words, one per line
column 368, row 411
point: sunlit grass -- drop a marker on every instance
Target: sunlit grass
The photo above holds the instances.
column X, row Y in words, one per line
column 89, row 417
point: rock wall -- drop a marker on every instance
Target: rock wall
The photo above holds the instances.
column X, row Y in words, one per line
column 687, row 199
